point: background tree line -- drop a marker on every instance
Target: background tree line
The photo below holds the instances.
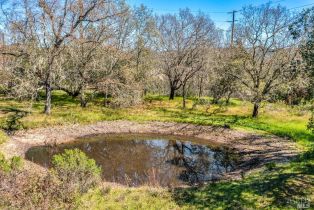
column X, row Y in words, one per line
column 106, row 47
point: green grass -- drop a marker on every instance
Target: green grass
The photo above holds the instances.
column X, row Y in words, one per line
column 277, row 119
column 3, row 137
column 117, row 197
column 280, row 188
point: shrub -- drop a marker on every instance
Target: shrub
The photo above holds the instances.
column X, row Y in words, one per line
column 27, row 190
column 73, row 174
column 126, row 96
column 8, row 165
column 77, row 172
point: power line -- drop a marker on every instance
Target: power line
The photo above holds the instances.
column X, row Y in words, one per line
column 306, row 5
column 193, row 11
column 233, row 13
column 226, row 12
column 208, row 12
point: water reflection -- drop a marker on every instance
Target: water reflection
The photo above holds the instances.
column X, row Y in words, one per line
column 144, row 159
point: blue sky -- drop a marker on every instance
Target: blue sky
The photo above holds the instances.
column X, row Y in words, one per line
column 217, row 9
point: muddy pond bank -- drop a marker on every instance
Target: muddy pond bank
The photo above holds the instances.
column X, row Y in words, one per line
column 254, row 149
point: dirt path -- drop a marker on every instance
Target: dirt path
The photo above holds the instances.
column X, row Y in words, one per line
column 255, row 149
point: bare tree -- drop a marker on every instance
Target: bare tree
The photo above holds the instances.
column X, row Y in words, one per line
column 48, row 27
column 144, row 34
column 81, row 56
column 266, row 51
column 184, row 39
column 116, row 63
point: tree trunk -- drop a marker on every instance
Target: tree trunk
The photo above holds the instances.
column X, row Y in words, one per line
column 215, row 100
column 228, row 100
column 183, row 97
column 106, row 97
column 48, row 86
column 83, row 99
column 255, row 110
column 172, row 93
column 48, row 99
column 228, row 97
column 200, row 90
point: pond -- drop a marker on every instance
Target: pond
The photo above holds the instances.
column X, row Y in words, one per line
column 138, row 159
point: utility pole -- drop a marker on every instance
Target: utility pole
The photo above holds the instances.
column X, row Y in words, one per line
column 232, row 26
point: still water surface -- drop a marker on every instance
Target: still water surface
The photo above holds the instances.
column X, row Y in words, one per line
column 148, row 159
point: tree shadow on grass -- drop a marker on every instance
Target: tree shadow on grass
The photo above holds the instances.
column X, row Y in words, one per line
column 283, row 187
column 202, row 118
column 64, row 100
column 235, row 120
column 59, row 98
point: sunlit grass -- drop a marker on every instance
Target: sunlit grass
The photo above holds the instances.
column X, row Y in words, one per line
column 277, row 119
column 281, row 188
column 116, row 198
column 3, row 137
column 277, row 189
